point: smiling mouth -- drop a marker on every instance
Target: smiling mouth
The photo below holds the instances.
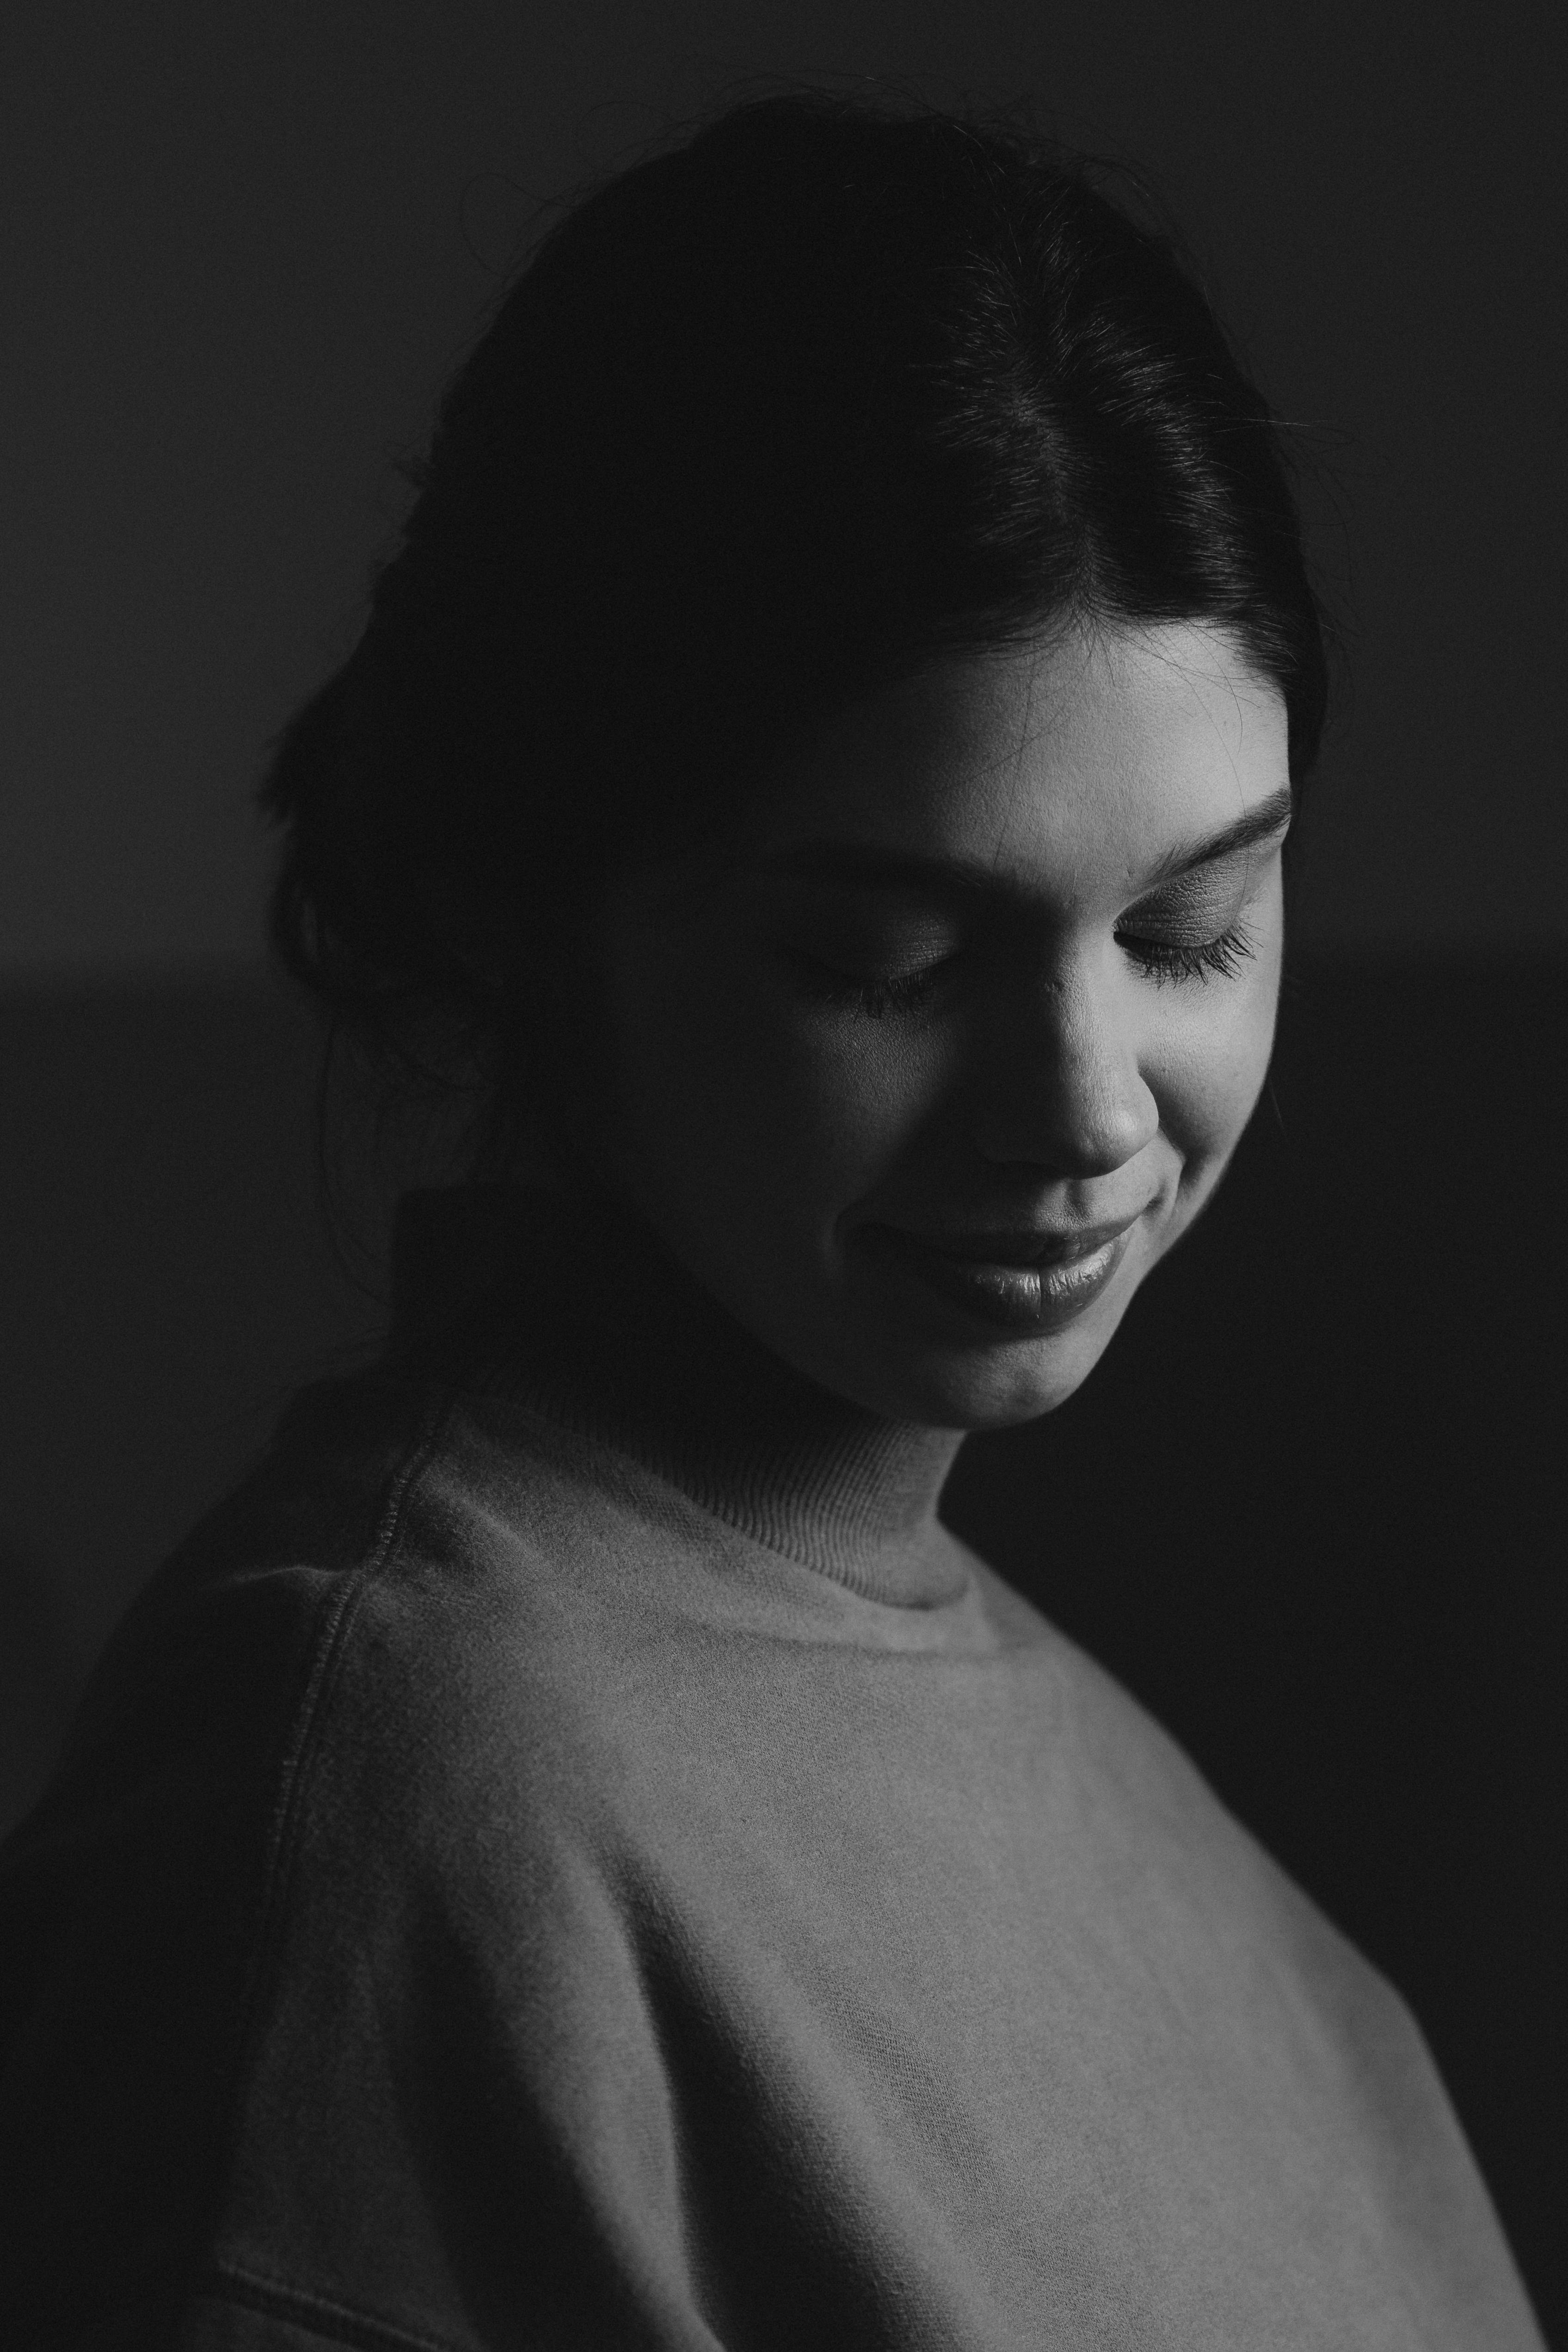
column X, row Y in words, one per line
column 1025, row 1249
column 1022, row 1283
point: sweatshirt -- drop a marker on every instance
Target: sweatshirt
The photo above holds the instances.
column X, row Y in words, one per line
column 574, row 1854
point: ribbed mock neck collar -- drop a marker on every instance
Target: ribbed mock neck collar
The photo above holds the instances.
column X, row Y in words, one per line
column 579, row 1311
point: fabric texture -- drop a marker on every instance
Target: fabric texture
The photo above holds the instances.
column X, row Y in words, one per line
column 574, row 1854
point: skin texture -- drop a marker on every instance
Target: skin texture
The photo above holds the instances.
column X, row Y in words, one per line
column 767, row 1120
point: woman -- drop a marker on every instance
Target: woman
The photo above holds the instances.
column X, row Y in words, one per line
column 575, row 1852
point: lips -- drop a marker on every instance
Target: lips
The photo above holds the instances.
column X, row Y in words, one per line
column 1021, row 1281
column 1057, row 1246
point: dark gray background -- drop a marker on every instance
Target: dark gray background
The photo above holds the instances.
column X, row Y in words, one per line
column 1311, row 1507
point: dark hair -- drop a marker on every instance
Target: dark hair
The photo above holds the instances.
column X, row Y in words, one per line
column 767, row 420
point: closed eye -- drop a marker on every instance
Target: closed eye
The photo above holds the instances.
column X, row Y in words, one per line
column 1172, row 960
column 876, row 993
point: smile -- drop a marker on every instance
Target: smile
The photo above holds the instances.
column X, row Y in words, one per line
column 1030, row 1284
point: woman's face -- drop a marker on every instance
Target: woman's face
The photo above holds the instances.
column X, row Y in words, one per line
column 923, row 1073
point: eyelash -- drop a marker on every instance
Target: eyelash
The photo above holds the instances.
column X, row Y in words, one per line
column 1160, row 961
column 1163, row 961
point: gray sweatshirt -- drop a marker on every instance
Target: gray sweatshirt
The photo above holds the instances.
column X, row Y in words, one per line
column 575, row 1855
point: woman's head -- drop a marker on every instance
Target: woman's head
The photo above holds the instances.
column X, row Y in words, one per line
column 991, row 971
column 831, row 429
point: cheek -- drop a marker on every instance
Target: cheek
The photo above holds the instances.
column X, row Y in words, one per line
column 1207, row 1070
column 840, row 1099
column 753, row 1087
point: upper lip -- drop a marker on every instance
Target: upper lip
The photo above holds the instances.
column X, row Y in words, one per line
column 1027, row 1244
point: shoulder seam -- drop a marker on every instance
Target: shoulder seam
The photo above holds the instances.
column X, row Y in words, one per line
column 339, row 1619
column 293, row 1770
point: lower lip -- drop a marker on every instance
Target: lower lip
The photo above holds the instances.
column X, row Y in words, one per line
column 1031, row 1299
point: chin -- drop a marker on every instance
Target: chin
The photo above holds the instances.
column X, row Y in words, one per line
column 988, row 1387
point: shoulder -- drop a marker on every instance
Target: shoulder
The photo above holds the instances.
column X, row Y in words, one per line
column 365, row 1593
column 307, row 1810
column 337, row 1679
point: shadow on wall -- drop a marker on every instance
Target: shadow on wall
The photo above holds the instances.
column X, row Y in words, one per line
column 1310, row 1509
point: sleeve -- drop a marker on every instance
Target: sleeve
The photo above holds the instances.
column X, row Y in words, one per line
column 320, row 2014
column 454, row 2126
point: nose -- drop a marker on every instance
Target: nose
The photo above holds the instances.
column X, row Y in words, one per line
column 1063, row 1090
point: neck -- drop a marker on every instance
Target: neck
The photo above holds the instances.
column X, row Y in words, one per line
column 579, row 1309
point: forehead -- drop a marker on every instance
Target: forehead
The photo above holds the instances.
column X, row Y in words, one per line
column 1092, row 754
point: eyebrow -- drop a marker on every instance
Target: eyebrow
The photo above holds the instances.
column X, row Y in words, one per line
column 868, row 865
